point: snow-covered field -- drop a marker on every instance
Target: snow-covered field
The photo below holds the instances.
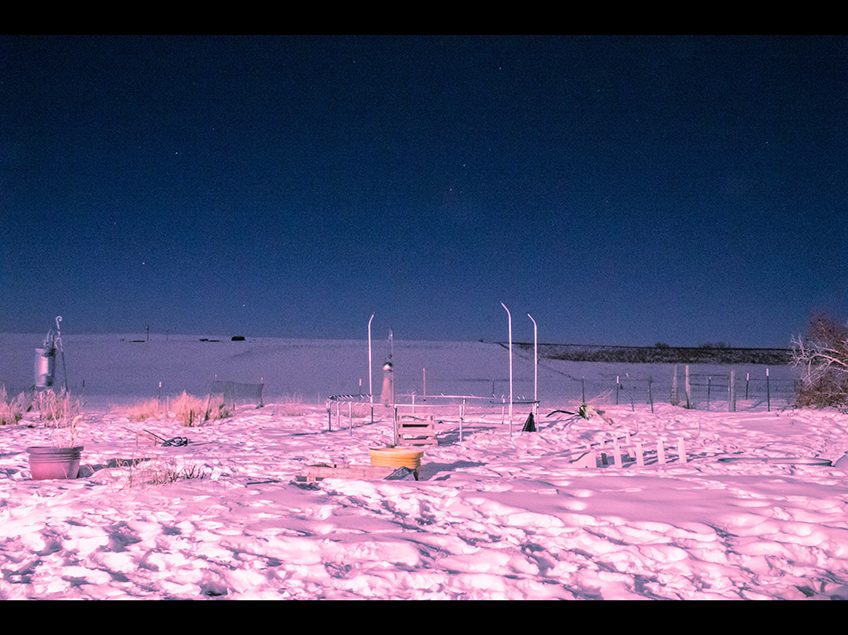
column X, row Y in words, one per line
column 493, row 516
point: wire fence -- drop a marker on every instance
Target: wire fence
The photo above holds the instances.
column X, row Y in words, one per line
column 729, row 391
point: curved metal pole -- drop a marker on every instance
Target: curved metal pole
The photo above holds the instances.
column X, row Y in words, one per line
column 61, row 350
column 535, row 366
column 509, row 322
column 370, row 373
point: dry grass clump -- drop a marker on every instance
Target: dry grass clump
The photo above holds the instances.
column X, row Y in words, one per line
column 56, row 407
column 61, row 413
column 193, row 411
column 291, row 405
column 163, row 472
column 187, row 409
column 150, row 409
column 11, row 408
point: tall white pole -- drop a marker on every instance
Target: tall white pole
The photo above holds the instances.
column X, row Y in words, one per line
column 509, row 322
column 370, row 373
column 535, row 367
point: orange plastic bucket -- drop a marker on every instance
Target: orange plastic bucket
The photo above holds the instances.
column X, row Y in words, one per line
column 396, row 457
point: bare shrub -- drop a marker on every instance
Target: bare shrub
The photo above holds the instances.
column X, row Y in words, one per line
column 822, row 356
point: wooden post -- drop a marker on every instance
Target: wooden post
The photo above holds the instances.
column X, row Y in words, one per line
column 747, row 379
column 687, row 388
column 632, row 402
column 617, row 388
column 616, row 454
column 640, row 456
column 660, row 452
column 329, row 418
column 731, row 389
column 675, row 397
column 681, row 450
column 583, row 389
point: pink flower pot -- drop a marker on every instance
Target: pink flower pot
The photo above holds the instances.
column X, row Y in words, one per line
column 47, row 463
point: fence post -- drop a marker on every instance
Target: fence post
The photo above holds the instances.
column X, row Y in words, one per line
column 731, row 388
column 747, row 379
column 583, row 389
column 651, row 393
column 709, row 389
column 617, row 389
column 675, row 397
column 768, row 391
column 461, row 417
column 687, row 388
column 632, row 403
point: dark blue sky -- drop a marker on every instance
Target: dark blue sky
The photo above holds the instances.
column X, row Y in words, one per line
column 622, row 189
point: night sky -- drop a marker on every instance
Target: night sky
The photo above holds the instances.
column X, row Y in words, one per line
column 623, row 190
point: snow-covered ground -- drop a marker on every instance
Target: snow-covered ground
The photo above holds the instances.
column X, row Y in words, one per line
column 493, row 516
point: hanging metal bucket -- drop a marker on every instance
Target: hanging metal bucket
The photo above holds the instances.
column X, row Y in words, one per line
column 388, row 392
column 45, row 366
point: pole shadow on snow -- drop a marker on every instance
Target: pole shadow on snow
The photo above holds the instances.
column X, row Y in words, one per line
column 452, row 436
column 428, row 470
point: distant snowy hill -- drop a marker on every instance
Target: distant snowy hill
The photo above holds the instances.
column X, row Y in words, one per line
column 117, row 367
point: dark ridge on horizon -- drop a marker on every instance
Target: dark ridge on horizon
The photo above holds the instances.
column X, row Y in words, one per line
column 658, row 354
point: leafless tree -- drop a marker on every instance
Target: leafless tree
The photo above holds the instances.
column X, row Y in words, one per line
column 822, row 356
